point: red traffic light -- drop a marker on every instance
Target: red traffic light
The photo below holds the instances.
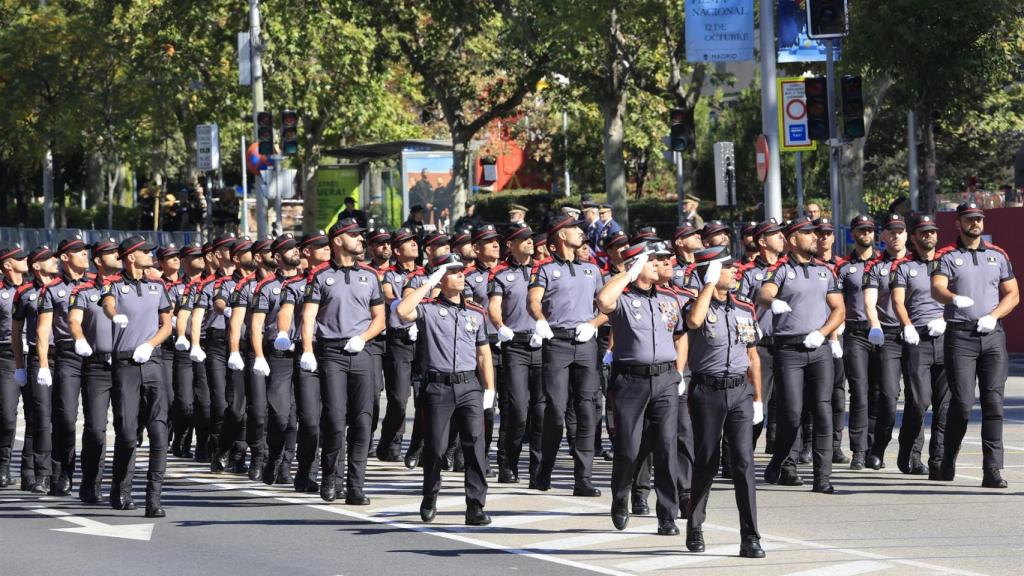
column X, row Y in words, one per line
column 676, row 116
column 289, row 118
column 264, row 119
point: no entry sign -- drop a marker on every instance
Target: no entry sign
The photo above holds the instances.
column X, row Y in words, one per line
column 793, row 135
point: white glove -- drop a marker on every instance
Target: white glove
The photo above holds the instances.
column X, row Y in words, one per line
column 227, row 312
column 142, row 353
column 841, row 330
column 197, row 354
column 608, row 358
column 876, row 336
column 282, row 342
column 780, row 307
column 235, row 361
column 488, row 399
column 713, row 272
column 505, row 334
column 120, row 320
column 585, row 331
column 910, row 335
column 986, row 324
column 937, row 327
column 44, row 378
column 637, row 267
column 962, row 301
column 681, row 388
column 414, row 332
column 182, row 343
column 308, row 362
column 260, row 366
column 758, row 413
column 814, row 340
column 837, row 348
column 543, row 329
column 536, row 341
column 435, row 277
column 82, row 348
column 355, row 344
column 20, row 377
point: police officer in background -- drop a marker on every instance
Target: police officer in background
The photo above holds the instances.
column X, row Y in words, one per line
column 13, row 266
column 885, row 334
column 343, row 309
column 685, row 241
column 826, row 240
column 724, row 333
column 647, row 329
column 141, row 312
column 975, row 281
column 183, row 406
column 94, row 342
column 561, row 300
column 457, row 358
column 807, row 305
column 195, row 331
column 923, row 363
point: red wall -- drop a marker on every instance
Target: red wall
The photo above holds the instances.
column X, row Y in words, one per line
column 1004, row 225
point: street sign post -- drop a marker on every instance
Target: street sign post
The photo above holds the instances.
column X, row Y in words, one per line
column 793, row 130
column 207, row 148
column 761, row 157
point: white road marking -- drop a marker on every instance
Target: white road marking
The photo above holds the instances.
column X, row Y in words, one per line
column 847, row 569
column 90, row 527
column 680, row 559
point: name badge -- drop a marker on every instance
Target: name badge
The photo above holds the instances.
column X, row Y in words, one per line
column 363, row 279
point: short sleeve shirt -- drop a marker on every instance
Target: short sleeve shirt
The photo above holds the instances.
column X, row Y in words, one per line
column 142, row 301
column 267, row 299
column 96, row 327
column 751, row 282
column 53, row 298
column 879, row 276
column 719, row 346
column 644, row 326
column 293, row 291
column 7, row 293
column 914, row 276
column 450, row 334
column 570, row 287
column 511, row 281
column 345, row 295
column 26, row 307
column 241, row 300
column 976, row 274
column 850, row 274
column 476, row 288
column 805, row 288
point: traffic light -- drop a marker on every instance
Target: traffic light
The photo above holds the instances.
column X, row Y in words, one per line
column 677, row 131
column 265, row 133
column 826, row 19
column 816, row 94
column 289, row 132
column 853, row 107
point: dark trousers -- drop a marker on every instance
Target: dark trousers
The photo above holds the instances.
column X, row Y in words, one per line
column 461, row 403
column 398, row 368
column 684, row 448
column 97, row 383
column 654, row 400
column 767, row 387
column 803, row 377
column 346, row 389
column 271, row 402
column 569, row 366
column 10, row 392
column 861, row 362
column 232, row 432
column 139, row 397
column 67, row 387
column 201, row 407
column 307, row 410
column 731, row 411
column 890, row 356
column 982, row 358
column 183, row 405
column 42, row 424
column 217, row 384
column 926, row 386
column 838, row 402
column 523, row 413
column 377, row 349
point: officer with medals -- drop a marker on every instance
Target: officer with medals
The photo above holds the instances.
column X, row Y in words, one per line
column 457, row 359
column 724, row 394
column 975, row 282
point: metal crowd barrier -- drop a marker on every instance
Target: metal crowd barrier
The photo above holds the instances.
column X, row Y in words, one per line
column 29, row 238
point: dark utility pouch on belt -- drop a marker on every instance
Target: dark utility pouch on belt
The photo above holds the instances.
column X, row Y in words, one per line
column 564, row 333
column 450, row 378
column 644, row 369
column 718, row 382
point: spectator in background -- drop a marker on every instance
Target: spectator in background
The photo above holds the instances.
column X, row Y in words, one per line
column 594, row 224
column 351, row 211
column 691, row 204
column 147, row 208
column 516, row 213
column 812, row 211
column 469, row 220
column 415, row 222
column 547, row 215
column 609, row 226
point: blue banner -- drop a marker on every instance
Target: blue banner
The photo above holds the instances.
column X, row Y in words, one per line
column 719, row 30
column 794, row 45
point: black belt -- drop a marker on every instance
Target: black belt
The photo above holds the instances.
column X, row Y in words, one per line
column 967, row 326
column 522, row 337
column 333, row 342
column 215, row 332
column 891, row 330
column 766, row 341
column 643, row 369
column 564, row 333
column 922, row 331
column 857, row 325
column 65, row 346
column 98, row 358
column 450, row 377
column 127, row 356
column 718, row 382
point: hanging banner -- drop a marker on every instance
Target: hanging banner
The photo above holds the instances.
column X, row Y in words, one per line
column 719, row 30
column 794, row 44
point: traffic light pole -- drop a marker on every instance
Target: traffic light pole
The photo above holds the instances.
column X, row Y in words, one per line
column 256, row 60
column 770, row 112
column 680, row 186
column 834, row 144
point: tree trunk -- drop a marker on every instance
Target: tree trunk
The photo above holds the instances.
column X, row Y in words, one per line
column 928, row 201
column 613, row 108
column 461, row 175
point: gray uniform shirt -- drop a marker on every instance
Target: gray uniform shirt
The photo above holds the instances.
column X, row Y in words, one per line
column 476, row 288
column 512, row 282
column 570, row 287
column 345, row 295
column 644, row 325
column 804, row 287
column 293, row 291
column 96, row 327
column 142, row 301
column 681, row 274
column 53, row 298
column 7, row 293
column 913, row 276
column 26, row 306
column 267, row 299
column 975, row 274
column 241, row 297
column 879, row 275
column 750, row 284
column 450, row 333
column 851, row 279
column 719, row 346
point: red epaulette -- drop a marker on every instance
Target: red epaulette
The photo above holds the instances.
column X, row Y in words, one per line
column 998, row 249
column 90, row 276
column 259, row 285
column 469, row 269
column 745, row 303
column 417, row 272
column 82, row 286
column 494, row 271
column 55, row 281
column 594, row 261
column 474, row 306
column 220, row 281
column 871, row 263
column 686, row 292
column 292, row 280
column 665, row 290
column 109, row 280
column 316, row 270
column 541, row 262
column 367, row 267
column 839, row 264
column 22, row 289
column 778, row 263
column 243, row 281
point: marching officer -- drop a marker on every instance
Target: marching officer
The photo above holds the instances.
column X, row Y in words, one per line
column 183, row 406
column 195, row 331
column 975, row 282
column 168, row 260
column 13, row 266
column 141, row 312
column 94, row 342
column 647, row 329
column 685, row 241
column 923, row 362
column 724, row 333
column 807, row 305
column 884, row 333
column 343, row 309
column 457, row 358
column 379, row 250
column 561, row 300
column 826, row 240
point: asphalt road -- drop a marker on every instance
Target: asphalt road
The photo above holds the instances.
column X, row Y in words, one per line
column 880, row 522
